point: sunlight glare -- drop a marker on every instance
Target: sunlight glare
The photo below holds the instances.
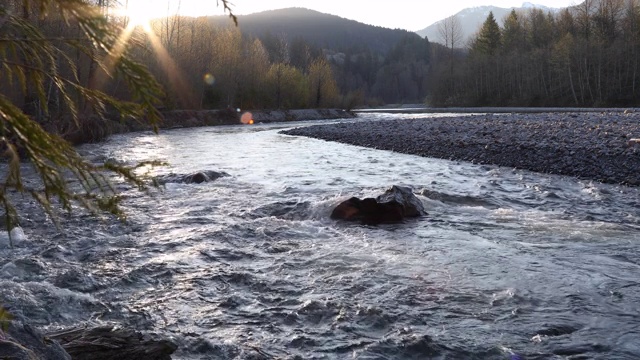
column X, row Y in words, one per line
column 142, row 12
column 209, row 79
column 176, row 78
column 247, row 118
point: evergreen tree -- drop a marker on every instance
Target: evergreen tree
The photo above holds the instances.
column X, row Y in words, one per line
column 488, row 39
column 586, row 55
column 512, row 33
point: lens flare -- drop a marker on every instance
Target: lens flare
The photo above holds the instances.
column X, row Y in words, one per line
column 209, row 79
column 247, row 118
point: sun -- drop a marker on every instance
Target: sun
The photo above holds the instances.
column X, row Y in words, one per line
column 140, row 13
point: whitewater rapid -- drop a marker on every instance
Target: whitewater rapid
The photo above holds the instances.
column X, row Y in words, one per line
column 507, row 263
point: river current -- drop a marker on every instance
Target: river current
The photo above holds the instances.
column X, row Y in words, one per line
column 508, row 264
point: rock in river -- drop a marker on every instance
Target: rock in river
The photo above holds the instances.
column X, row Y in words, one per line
column 195, row 178
column 393, row 206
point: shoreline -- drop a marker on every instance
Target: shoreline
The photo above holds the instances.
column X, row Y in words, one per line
column 493, row 110
column 95, row 129
column 586, row 145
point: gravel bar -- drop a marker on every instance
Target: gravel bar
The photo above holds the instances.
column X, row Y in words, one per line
column 596, row 146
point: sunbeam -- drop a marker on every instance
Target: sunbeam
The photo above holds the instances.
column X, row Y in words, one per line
column 176, row 79
column 112, row 58
column 139, row 17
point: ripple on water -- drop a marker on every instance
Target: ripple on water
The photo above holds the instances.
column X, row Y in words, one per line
column 507, row 264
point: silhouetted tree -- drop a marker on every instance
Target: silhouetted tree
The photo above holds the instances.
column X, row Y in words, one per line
column 488, row 39
column 587, row 55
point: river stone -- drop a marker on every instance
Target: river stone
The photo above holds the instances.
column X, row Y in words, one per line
column 411, row 205
column 368, row 211
column 202, row 176
column 347, row 210
column 195, row 178
column 391, row 207
column 113, row 343
column 21, row 341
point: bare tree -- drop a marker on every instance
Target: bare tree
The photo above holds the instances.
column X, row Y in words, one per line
column 584, row 17
column 450, row 31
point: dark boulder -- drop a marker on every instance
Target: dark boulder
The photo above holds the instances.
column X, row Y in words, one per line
column 391, row 207
column 347, row 210
column 411, row 205
column 22, row 341
column 113, row 343
column 195, row 178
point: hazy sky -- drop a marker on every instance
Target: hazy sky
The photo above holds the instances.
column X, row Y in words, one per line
column 405, row 14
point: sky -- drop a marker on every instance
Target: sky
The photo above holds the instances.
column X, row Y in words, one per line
column 410, row 15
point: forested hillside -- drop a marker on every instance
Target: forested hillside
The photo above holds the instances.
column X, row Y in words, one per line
column 586, row 55
column 289, row 58
column 472, row 18
column 372, row 65
column 318, row 29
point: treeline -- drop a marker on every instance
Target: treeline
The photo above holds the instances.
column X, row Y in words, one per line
column 586, row 55
column 284, row 70
column 400, row 76
column 372, row 65
column 206, row 66
column 203, row 63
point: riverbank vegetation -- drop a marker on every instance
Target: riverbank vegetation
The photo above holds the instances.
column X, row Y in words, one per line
column 213, row 62
column 587, row 55
column 70, row 66
column 55, row 57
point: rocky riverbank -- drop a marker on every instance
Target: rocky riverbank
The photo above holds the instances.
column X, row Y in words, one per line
column 595, row 146
column 96, row 129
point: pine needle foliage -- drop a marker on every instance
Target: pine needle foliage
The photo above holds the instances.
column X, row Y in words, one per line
column 33, row 62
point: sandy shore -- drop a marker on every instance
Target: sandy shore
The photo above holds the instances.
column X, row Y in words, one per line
column 585, row 145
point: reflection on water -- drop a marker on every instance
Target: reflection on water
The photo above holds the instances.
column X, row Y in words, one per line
column 249, row 266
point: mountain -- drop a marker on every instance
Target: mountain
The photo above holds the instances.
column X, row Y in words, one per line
column 320, row 29
column 471, row 20
column 371, row 64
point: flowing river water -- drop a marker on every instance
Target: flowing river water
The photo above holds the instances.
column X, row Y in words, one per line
column 508, row 264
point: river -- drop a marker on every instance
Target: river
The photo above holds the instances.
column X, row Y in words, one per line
column 508, row 264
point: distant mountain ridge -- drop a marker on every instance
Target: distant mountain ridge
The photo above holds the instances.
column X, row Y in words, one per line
column 471, row 19
column 370, row 64
column 320, row 29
